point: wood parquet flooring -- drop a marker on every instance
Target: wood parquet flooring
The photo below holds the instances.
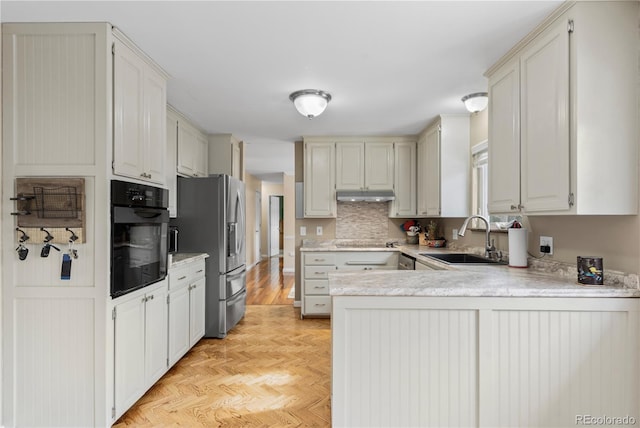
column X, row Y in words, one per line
column 267, row 285
column 272, row 370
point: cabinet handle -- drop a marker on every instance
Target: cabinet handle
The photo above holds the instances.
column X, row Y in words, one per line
column 319, row 273
column 181, row 278
column 514, row 207
column 318, row 260
column 150, row 297
column 318, row 286
column 199, row 271
column 520, row 206
column 320, row 304
column 144, row 299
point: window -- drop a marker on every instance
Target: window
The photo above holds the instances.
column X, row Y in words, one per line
column 480, row 189
column 480, row 179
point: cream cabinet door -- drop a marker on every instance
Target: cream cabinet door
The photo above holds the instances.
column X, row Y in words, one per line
column 432, row 176
column 421, row 202
column 171, row 161
column 187, row 148
column 139, row 102
column 319, row 179
column 156, row 322
column 544, row 134
column 196, row 311
column 129, row 344
column 178, row 324
column 404, row 205
column 155, row 131
column 201, row 155
column 350, row 158
column 378, row 166
column 128, row 105
column 504, row 139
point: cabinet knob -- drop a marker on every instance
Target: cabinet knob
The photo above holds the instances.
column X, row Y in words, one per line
column 514, row 207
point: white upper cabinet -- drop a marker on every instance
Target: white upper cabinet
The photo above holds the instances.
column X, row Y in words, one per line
column 574, row 148
column 226, row 155
column 139, row 104
column 364, row 165
column 350, row 166
column 544, row 126
column 378, row 166
column 319, row 178
column 404, row 186
column 172, row 159
column 193, row 150
column 504, row 134
column 444, row 168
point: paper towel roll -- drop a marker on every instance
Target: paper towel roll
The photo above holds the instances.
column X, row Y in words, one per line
column 518, row 247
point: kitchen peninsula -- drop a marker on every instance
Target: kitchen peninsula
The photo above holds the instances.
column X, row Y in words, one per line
column 481, row 346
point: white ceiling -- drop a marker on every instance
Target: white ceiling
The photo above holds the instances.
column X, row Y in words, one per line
column 390, row 66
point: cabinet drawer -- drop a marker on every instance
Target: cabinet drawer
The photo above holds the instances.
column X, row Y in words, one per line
column 316, row 286
column 317, row 305
column 179, row 278
column 317, row 272
column 196, row 270
column 320, row 259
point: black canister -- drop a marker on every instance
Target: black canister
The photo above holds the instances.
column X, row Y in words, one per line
column 590, row 271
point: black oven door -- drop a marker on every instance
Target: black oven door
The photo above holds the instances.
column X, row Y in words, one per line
column 138, row 247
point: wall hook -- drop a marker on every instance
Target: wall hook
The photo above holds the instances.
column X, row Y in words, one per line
column 73, row 237
column 47, row 238
column 24, row 237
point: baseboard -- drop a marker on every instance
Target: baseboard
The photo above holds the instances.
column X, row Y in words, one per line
column 288, row 270
column 297, row 304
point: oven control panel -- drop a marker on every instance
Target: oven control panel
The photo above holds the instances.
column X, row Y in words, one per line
column 140, row 195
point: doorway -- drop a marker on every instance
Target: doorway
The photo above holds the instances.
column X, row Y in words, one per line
column 275, row 225
column 258, row 227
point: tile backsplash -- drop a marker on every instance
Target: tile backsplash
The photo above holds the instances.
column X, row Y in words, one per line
column 362, row 220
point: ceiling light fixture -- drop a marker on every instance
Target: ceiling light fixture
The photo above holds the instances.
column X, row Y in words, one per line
column 476, row 102
column 310, row 102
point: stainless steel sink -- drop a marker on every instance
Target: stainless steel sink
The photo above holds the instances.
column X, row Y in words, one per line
column 460, row 258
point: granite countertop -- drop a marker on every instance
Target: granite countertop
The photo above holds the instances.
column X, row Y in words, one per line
column 448, row 280
column 179, row 259
column 487, row 281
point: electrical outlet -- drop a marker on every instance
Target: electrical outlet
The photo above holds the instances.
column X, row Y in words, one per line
column 454, row 235
column 546, row 241
column 303, row 231
column 319, row 230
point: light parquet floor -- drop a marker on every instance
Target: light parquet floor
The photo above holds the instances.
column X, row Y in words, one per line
column 272, row 370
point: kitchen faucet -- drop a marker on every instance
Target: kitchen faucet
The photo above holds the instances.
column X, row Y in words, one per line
column 489, row 249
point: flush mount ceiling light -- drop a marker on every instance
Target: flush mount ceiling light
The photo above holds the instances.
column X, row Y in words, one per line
column 310, row 102
column 476, row 102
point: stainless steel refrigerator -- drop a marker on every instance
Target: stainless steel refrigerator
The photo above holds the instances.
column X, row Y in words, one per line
column 211, row 219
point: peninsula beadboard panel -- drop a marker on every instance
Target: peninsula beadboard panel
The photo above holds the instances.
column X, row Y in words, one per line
column 487, row 362
column 57, row 114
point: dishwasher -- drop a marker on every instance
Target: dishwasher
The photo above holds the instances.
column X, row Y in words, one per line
column 406, row 262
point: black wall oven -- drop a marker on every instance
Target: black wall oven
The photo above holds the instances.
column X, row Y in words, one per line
column 139, row 225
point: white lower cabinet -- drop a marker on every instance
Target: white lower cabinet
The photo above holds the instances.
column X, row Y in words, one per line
column 186, row 308
column 484, row 362
column 196, row 310
column 317, row 265
column 140, row 342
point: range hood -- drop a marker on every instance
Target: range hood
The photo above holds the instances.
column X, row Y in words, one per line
column 365, row 195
